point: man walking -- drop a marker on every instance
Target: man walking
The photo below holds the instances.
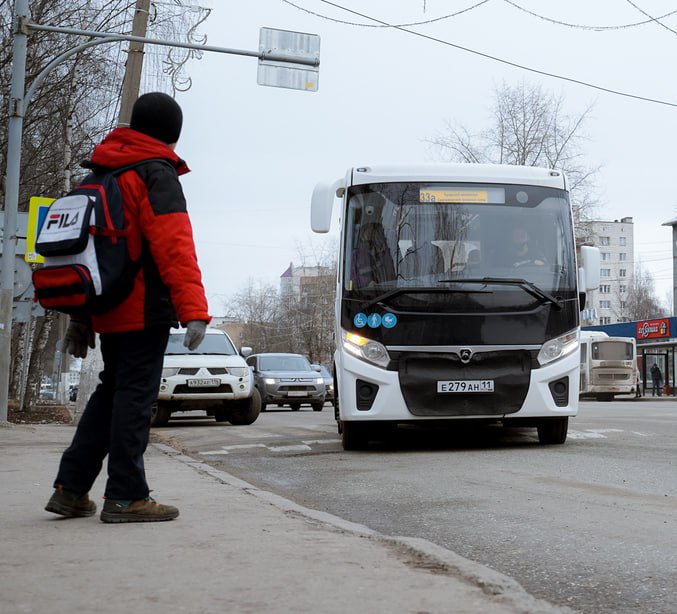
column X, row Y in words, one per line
column 167, row 290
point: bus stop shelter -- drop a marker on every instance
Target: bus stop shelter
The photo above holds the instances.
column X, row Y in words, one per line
column 656, row 344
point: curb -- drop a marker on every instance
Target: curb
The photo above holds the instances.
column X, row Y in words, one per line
column 417, row 552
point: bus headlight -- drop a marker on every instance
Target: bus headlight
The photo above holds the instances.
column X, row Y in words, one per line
column 557, row 348
column 366, row 349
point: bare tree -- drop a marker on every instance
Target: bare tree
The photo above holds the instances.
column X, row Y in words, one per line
column 301, row 319
column 64, row 118
column 641, row 302
column 311, row 309
column 257, row 306
column 309, row 315
column 529, row 127
column 71, row 110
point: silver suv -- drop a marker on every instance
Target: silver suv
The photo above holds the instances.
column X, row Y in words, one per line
column 287, row 379
column 213, row 377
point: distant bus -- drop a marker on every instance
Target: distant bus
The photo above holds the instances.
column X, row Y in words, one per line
column 442, row 313
column 608, row 365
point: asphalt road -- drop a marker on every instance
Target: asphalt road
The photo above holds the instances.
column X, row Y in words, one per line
column 591, row 524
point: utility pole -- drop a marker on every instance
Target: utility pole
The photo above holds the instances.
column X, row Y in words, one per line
column 132, row 79
column 9, row 238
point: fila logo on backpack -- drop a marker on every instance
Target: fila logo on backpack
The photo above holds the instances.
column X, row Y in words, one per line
column 83, row 239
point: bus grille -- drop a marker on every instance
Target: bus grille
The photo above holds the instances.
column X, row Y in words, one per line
column 609, row 377
column 510, row 371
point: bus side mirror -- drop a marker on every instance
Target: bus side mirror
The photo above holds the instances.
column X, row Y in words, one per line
column 321, row 204
column 590, row 260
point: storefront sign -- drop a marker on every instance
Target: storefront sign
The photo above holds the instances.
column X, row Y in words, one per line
column 652, row 329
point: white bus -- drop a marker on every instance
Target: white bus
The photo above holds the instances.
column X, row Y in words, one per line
column 438, row 317
column 608, row 365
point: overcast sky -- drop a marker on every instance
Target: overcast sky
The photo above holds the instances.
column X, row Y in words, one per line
column 257, row 152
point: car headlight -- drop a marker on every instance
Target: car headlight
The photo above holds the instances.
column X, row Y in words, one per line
column 319, row 380
column 366, row 349
column 269, row 380
column 557, row 348
column 169, row 371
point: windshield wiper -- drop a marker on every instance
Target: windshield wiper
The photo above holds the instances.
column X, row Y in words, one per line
column 380, row 300
column 527, row 286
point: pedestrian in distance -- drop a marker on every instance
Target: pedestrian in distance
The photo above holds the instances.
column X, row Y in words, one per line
column 167, row 290
column 638, row 386
column 656, row 381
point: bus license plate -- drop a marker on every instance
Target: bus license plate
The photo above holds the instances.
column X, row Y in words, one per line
column 203, row 383
column 465, row 385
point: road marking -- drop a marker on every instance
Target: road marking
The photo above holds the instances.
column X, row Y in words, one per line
column 604, row 430
column 296, row 448
column 304, row 446
column 592, row 433
column 314, row 441
column 254, row 434
column 584, row 435
column 227, row 449
column 320, row 427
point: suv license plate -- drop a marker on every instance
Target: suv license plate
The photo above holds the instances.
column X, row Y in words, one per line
column 465, row 385
column 297, row 393
column 203, row 383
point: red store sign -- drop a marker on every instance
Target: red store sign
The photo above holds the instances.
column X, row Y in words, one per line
column 651, row 329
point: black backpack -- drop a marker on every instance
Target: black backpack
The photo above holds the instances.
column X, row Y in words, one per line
column 83, row 239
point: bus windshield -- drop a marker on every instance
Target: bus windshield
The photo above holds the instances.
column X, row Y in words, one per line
column 447, row 235
column 612, row 350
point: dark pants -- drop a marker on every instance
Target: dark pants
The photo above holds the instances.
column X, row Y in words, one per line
column 116, row 421
column 656, row 388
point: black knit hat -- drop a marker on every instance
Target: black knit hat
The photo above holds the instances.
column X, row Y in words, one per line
column 157, row 115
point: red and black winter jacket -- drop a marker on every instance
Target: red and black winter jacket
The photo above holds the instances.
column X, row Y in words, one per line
column 168, row 286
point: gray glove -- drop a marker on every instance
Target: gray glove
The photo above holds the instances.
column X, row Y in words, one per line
column 78, row 336
column 195, row 333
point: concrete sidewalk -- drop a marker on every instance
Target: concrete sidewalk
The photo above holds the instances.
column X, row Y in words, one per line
column 234, row 549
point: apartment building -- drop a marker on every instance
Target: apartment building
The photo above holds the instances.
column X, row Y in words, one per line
column 307, row 284
column 615, row 240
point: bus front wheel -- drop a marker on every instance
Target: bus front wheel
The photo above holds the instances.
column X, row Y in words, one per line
column 553, row 430
column 354, row 435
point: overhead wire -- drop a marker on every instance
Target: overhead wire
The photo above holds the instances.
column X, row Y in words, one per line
column 651, row 18
column 495, row 58
column 385, row 25
column 584, row 27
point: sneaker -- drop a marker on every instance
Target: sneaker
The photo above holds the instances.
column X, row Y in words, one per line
column 141, row 510
column 70, row 504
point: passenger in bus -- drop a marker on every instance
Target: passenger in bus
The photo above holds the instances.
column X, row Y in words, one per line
column 421, row 260
column 371, row 262
column 522, row 250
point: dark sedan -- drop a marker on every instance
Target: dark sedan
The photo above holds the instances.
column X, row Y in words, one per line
column 287, row 379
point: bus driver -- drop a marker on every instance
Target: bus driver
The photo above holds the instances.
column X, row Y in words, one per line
column 522, row 251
